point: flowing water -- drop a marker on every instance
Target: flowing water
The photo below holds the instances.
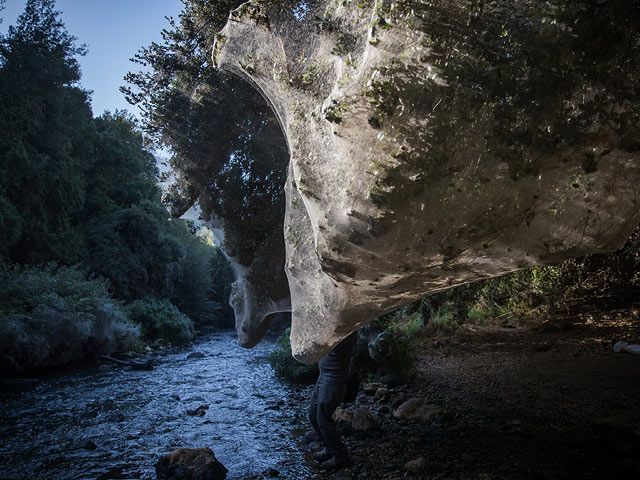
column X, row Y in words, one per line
column 133, row 417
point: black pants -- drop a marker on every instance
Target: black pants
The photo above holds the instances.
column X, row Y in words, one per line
column 327, row 395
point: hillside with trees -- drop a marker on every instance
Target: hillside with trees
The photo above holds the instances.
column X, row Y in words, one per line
column 86, row 247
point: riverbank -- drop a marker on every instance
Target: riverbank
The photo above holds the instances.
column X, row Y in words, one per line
column 525, row 403
column 501, row 403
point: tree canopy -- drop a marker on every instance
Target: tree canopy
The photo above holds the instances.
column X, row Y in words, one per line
column 78, row 190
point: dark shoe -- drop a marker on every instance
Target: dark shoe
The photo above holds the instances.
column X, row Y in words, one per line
column 322, row 456
column 335, row 463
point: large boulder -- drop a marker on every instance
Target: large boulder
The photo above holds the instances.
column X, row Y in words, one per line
column 190, row 464
column 437, row 143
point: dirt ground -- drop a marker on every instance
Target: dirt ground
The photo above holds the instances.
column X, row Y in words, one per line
column 547, row 401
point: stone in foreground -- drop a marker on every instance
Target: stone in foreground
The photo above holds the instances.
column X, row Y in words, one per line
column 417, row 409
column 190, row 464
column 416, row 466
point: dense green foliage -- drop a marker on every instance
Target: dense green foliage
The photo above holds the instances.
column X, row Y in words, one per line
column 52, row 315
column 44, row 122
column 161, row 320
column 78, row 190
column 287, row 367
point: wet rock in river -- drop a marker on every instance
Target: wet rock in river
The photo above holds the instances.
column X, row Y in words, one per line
column 195, row 355
column 200, row 411
column 83, row 444
column 89, row 445
column 190, row 464
column 271, row 473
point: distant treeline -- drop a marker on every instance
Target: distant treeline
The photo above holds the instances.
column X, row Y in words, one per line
column 89, row 259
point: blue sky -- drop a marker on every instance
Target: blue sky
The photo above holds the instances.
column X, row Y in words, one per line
column 114, row 30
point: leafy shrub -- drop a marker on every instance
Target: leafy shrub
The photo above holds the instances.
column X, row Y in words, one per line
column 52, row 315
column 287, row 367
column 395, row 348
column 160, row 319
column 477, row 315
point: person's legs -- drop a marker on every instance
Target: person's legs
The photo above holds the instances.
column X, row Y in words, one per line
column 323, row 454
column 313, row 410
column 329, row 396
column 329, row 431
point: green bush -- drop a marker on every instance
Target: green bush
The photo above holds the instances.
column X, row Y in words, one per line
column 477, row 315
column 50, row 316
column 505, row 299
column 159, row 319
column 287, row 367
column 396, row 347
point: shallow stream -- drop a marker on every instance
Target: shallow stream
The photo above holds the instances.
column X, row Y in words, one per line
column 49, row 429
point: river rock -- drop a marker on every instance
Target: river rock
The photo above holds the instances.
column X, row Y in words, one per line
column 364, row 420
column 311, row 436
column 417, row 409
column 82, row 444
column 200, row 411
column 271, row 473
column 415, row 466
column 88, row 445
column 381, row 393
column 372, row 388
column 195, row 355
column 422, row 159
column 346, row 415
column 190, row 464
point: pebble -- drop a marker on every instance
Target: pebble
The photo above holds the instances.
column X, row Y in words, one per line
column 89, row 445
column 371, row 388
column 415, row 466
column 381, row 393
column 271, row 473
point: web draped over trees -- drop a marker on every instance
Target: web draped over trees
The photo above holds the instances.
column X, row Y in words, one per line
column 229, row 153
